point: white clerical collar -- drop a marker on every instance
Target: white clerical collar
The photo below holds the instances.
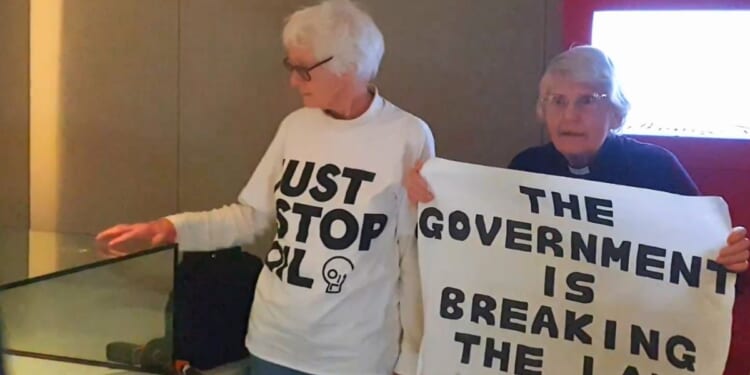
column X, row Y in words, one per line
column 579, row 171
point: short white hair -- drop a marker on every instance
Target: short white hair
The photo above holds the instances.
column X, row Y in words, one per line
column 338, row 29
column 587, row 65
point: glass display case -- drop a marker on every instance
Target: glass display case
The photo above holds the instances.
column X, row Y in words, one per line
column 66, row 308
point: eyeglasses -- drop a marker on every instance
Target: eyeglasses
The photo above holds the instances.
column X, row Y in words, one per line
column 558, row 103
column 302, row 71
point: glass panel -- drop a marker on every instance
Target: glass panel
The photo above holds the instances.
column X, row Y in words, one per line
column 14, row 255
column 97, row 313
column 19, row 365
column 25, row 254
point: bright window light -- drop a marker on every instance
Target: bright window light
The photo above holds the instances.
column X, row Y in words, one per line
column 686, row 73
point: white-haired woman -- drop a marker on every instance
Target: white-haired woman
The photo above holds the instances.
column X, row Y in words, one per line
column 583, row 106
column 340, row 290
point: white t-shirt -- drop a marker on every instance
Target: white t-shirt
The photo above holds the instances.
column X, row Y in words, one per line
column 339, row 293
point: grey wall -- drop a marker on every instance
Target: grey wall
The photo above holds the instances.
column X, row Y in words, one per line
column 14, row 113
column 168, row 105
column 114, row 157
column 469, row 69
column 233, row 94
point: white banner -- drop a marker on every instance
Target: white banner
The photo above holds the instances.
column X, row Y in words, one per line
column 531, row 274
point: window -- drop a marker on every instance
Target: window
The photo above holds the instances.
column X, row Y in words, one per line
column 686, row 73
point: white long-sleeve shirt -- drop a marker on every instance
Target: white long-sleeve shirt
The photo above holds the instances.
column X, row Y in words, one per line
column 339, row 293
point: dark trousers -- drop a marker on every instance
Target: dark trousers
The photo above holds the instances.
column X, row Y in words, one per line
column 262, row 367
column 211, row 304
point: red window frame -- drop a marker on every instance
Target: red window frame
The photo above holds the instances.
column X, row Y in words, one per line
column 719, row 166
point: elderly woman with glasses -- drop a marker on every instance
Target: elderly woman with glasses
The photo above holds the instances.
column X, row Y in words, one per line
column 340, row 291
column 583, row 106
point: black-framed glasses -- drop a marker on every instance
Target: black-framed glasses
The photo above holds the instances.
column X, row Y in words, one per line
column 303, row 71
